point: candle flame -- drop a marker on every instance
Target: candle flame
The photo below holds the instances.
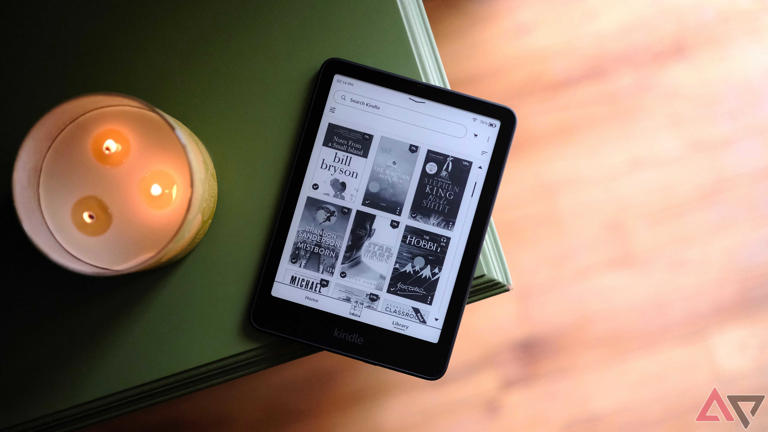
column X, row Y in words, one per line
column 91, row 216
column 156, row 190
column 110, row 146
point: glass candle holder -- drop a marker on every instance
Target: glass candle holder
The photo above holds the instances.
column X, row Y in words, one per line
column 106, row 184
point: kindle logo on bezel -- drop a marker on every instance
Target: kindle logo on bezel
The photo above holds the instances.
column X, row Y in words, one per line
column 347, row 336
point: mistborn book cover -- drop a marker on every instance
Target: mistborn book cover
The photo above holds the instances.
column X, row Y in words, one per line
column 440, row 190
column 370, row 250
column 319, row 236
column 341, row 163
column 418, row 265
column 390, row 176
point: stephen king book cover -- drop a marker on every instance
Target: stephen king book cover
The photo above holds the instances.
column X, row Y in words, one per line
column 440, row 190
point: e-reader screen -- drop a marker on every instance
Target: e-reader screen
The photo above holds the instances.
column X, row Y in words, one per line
column 385, row 208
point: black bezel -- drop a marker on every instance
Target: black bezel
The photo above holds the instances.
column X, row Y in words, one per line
column 380, row 346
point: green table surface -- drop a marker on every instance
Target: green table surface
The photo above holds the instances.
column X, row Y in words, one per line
column 239, row 75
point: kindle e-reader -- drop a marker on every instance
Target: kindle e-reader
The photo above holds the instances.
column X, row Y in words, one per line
column 383, row 218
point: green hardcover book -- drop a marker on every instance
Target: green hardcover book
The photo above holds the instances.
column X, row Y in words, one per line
column 76, row 350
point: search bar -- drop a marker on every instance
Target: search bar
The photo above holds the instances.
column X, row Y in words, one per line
column 399, row 113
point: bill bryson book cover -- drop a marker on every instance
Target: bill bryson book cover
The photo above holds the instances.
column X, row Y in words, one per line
column 342, row 161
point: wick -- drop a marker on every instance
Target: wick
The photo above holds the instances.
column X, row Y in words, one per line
column 88, row 216
column 110, row 146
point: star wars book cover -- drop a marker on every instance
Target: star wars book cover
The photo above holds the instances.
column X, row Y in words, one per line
column 390, row 176
column 418, row 265
column 440, row 190
column 370, row 251
column 319, row 237
column 341, row 164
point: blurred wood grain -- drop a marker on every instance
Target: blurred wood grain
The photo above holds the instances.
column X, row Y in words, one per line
column 633, row 214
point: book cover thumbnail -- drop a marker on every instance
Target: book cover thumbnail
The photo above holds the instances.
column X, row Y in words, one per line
column 411, row 313
column 418, row 265
column 370, row 250
column 390, row 176
column 319, row 236
column 440, row 190
column 307, row 282
column 342, row 162
column 357, row 298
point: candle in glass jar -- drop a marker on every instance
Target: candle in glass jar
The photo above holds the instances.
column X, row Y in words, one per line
column 131, row 166
column 121, row 186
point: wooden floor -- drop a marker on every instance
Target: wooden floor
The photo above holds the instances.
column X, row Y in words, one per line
column 634, row 217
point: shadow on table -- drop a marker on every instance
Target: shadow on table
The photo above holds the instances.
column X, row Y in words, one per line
column 73, row 314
